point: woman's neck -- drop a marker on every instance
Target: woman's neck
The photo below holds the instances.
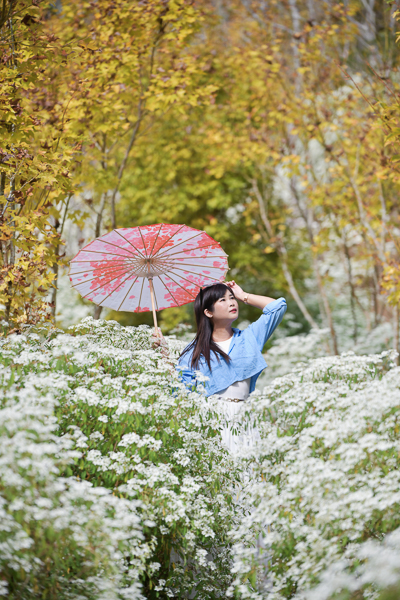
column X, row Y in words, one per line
column 222, row 333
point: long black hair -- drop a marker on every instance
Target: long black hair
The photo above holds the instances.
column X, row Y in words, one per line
column 203, row 343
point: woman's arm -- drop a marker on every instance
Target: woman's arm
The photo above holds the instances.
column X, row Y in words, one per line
column 272, row 314
column 251, row 299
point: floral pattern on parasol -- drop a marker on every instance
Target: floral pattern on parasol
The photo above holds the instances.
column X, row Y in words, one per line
column 129, row 268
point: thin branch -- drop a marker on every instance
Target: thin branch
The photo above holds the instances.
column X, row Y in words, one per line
column 65, row 214
column 100, row 215
column 282, row 252
column 315, row 261
column 364, row 220
column 140, row 115
column 123, row 164
column 384, row 216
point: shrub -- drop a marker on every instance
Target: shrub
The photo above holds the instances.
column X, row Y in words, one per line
column 328, row 467
column 59, row 537
column 107, row 414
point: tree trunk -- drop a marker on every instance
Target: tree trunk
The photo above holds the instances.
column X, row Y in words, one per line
column 55, row 269
column 296, row 25
column 375, row 296
column 282, row 252
column 99, row 217
column 325, row 302
column 57, row 256
column 292, row 288
column 97, row 233
column 352, row 290
column 124, row 163
column 307, row 216
column 10, row 257
column 10, row 254
column 396, row 330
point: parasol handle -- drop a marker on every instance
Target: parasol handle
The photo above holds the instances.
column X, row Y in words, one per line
column 153, row 305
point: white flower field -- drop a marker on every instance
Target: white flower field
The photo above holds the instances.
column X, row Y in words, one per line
column 327, row 478
column 114, row 482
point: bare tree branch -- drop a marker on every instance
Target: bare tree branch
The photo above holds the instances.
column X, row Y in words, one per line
column 282, row 252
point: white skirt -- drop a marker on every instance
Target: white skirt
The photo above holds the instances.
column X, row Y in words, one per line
column 241, row 436
column 239, row 433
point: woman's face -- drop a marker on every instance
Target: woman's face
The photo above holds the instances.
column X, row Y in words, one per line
column 224, row 309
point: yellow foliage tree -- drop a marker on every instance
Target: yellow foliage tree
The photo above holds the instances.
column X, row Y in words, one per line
column 79, row 92
column 317, row 165
column 35, row 160
column 238, row 119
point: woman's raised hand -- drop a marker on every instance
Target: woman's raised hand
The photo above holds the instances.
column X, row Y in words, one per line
column 236, row 289
column 251, row 299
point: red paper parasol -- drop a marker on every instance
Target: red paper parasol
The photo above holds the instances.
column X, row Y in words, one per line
column 147, row 268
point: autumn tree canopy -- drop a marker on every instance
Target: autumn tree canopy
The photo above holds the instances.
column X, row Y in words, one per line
column 271, row 125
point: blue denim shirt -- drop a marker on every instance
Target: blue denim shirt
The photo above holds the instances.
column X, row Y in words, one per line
column 244, row 351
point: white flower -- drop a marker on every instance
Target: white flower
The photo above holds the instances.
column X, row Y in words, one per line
column 160, row 586
column 96, row 435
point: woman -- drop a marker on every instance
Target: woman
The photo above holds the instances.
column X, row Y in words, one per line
column 231, row 359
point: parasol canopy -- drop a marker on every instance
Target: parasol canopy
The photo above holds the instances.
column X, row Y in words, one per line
column 147, row 268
